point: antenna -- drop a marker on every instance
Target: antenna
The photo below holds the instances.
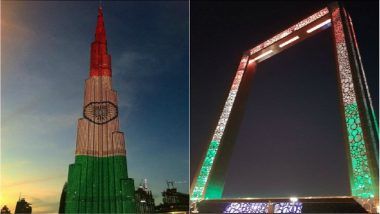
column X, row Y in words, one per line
column 145, row 185
column 170, row 183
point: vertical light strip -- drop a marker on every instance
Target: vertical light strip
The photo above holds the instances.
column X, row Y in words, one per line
column 361, row 176
column 199, row 188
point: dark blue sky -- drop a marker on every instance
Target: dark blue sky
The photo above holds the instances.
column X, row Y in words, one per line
column 290, row 141
column 45, row 55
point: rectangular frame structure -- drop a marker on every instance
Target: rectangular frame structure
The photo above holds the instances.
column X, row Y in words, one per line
column 361, row 131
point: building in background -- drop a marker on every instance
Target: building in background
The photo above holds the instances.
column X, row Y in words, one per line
column 63, row 199
column 5, row 210
column 173, row 201
column 144, row 198
column 98, row 181
column 23, row 206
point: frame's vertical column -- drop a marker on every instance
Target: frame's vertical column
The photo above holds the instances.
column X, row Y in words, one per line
column 368, row 113
column 216, row 180
column 363, row 168
column 200, row 182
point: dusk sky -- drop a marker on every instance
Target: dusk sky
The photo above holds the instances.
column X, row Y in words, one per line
column 45, row 60
column 290, row 141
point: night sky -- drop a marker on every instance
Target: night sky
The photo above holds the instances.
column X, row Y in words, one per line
column 291, row 138
column 45, row 61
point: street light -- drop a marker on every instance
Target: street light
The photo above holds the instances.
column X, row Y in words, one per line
column 293, row 199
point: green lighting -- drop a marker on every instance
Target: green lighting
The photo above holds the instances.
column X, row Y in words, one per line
column 99, row 185
column 363, row 180
column 361, row 175
column 205, row 171
column 214, row 191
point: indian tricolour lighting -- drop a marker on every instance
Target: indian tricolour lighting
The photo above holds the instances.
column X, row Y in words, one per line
column 262, row 55
column 289, row 41
column 202, row 179
column 318, row 26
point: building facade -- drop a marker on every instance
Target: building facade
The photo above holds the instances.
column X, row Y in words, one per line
column 23, row 206
column 173, row 201
column 144, row 198
column 62, row 201
column 98, row 181
column 5, row 210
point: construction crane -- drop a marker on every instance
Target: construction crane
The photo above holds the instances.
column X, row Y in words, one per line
column 171, row 183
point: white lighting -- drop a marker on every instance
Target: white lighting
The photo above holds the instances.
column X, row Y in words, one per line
column 262, row 55
column 251, row 61
column 289, row 41
column 318, row 26
column 293, row 199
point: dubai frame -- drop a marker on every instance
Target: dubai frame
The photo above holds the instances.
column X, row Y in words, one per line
column 361, row 127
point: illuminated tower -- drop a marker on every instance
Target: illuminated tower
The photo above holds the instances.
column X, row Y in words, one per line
column 98, row 180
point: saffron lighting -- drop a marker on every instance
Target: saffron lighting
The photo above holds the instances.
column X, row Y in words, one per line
column 362, row 184
column 198, row 192
column 318, row 26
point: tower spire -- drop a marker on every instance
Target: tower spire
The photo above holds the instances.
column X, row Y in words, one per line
column 100, row 64
column 100, row 33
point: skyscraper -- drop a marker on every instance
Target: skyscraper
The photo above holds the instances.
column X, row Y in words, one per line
column 174, row 201
column 5, row 210
column 144, row 198
column 23, row 206
column 98, row 180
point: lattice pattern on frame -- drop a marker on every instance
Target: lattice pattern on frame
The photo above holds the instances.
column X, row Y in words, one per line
column 288, row 207
column 261, row 207
column 364, row 76
column 290, row 30
column 247, row 207
column 362, row 181
column 204, row 173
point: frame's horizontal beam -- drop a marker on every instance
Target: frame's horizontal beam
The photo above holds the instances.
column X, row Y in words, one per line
column 297, row 33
